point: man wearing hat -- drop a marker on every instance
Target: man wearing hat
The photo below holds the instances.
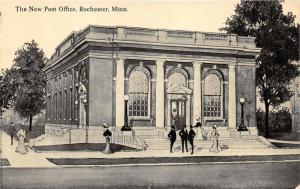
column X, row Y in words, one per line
column 184, row 137
column 107, row 134
column 172, row 137
column 191, row 137
column 12, row 131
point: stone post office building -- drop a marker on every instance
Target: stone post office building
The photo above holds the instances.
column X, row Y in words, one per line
column 170, row 76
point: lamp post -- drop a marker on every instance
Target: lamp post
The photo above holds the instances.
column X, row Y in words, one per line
column 242, row 126
column 126, row 98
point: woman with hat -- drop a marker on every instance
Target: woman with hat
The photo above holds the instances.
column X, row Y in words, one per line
column 215, row 135
column 107, row 134
column 21, row 136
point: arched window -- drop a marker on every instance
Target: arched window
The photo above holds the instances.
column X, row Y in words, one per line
column 139, row 86
column 213, row 91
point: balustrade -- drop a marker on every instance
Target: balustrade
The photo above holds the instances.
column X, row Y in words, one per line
column 161, row 36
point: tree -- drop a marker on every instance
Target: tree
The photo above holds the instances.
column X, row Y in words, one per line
column 24, row 83
column 278, row 36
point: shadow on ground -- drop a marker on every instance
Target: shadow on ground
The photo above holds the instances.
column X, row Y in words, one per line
column 294, row 136
column 84, row 147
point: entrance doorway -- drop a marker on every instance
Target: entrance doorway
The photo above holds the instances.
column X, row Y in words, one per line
column 178, row 113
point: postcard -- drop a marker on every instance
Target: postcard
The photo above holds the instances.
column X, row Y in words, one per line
column 149, row 94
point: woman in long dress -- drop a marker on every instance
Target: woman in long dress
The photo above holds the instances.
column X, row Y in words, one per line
column 107, row 134
column 215, row 135
column 21, row 145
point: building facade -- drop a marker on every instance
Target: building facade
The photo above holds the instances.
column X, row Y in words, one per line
column 170, row 76
column 295, row 103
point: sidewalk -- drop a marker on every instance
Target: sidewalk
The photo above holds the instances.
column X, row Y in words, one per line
column 33, row 159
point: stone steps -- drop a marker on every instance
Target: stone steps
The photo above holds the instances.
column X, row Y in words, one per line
column 232, row 143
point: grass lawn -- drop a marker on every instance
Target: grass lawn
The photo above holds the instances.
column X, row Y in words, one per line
column 4, row 162
column 286, row 145
column 84, row 147
column 294, row 136
column 36, row 131
column 191, row 159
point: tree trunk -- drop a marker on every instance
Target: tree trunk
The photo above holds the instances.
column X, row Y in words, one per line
column 30, row 122
column 267, row 129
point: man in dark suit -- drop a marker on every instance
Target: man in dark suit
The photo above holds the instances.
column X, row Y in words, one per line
column 184, row 137
column 12, row 131
column 172, row 137
column 191, row 137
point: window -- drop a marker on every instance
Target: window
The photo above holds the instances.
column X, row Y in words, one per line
column 139, row 94
column 212, row 96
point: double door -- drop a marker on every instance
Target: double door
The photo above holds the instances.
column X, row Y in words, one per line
column 178, row 113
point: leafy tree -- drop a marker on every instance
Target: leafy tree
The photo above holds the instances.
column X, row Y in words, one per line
column 23, row 85
column 278, row 36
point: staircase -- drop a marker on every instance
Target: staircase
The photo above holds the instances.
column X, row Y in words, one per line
column 156, row 140
column 226, row 143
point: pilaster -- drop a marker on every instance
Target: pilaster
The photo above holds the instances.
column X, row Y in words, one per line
column 160, row 93
column 197, row 91
column 120, row 93
column 232, row 97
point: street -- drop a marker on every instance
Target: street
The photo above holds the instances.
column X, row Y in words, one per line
column 229, row 175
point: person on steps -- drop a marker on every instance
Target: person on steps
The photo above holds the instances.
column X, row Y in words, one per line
column 172, row 137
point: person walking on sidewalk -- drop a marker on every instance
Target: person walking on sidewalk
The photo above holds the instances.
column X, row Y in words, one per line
column 184, row 137
column 12, row 131
column 215, row 135
column 21, row 137
column 172, row 137
column 191, row 137
column 107, row 134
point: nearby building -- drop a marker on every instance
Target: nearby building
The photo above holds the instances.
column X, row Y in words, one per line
column 171, row 77
column 295, row 103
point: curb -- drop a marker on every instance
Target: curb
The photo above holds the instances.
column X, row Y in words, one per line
column 152, row 164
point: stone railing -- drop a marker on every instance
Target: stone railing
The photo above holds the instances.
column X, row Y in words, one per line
column 246, row 41
column 215, row 37
column 140, row 32
column 178, row 37
column 180, row 34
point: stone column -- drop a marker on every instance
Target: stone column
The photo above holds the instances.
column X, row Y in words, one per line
column 232, row 97
column 120, row 93
column 197, row 91
column 169, row 113
column 188, row 108
column 160, row 94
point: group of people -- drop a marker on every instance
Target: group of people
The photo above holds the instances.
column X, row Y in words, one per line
column 20, row 134
column 186, row 136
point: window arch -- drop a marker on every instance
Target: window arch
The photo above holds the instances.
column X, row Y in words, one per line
column 139, row 94
column 213, row 95
column 177, row 79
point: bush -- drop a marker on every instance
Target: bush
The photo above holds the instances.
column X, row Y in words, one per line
column 280, row 121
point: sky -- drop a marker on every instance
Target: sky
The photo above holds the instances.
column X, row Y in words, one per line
column 48, row 29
